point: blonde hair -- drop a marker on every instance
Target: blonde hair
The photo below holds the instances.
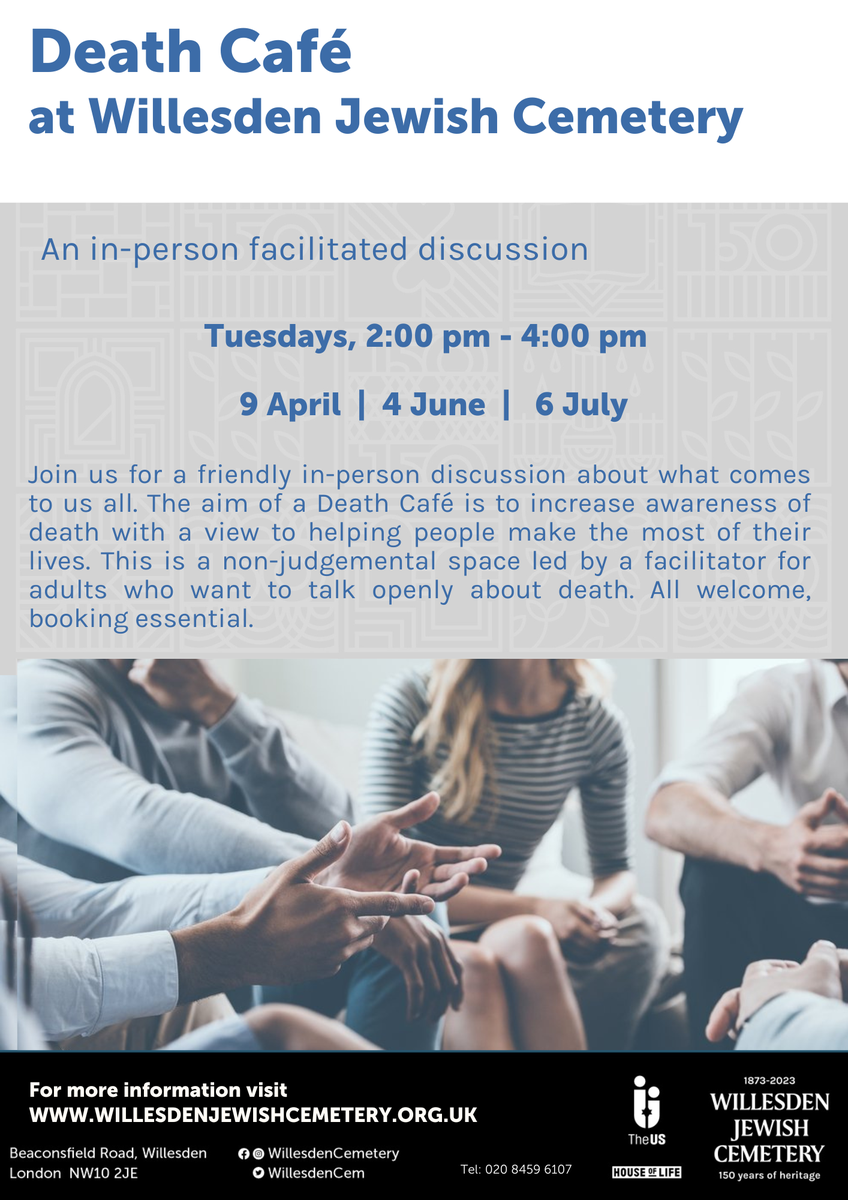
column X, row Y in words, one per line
column 457, row 721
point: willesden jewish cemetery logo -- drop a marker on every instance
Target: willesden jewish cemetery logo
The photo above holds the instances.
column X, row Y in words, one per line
column 646, row 1104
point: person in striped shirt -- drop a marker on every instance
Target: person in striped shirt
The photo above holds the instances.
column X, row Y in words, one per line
column 504, row 742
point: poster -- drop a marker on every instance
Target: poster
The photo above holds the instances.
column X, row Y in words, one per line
column 346, row 344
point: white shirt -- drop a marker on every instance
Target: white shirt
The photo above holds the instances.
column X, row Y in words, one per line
column 103, row 953
column 790, row 723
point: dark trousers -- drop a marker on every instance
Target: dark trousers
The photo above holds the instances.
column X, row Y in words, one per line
column 733, row 917
column 373, row 993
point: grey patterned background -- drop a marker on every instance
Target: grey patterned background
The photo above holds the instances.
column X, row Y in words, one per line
column 741, row 304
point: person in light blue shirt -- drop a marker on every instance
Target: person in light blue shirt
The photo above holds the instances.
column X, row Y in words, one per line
column 782, row 1005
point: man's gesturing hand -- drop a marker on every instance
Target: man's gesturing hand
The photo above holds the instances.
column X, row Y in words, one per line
column 288, row 929
column 380, row 858
column 185, row 687
column 809, row 856
column 819, row 973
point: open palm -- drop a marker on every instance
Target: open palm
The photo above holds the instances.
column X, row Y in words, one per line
column 380, row 858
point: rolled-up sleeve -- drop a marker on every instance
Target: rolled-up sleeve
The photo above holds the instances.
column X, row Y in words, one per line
column 739, row 746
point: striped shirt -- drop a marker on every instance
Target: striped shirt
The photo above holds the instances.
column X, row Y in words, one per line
column 536, row 762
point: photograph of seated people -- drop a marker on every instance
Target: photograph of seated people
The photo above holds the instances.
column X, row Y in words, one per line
column 760, row 889
column 788, row 1005
column 153, row 797
column 505, row 741
column 158, row 767
column 140, row 964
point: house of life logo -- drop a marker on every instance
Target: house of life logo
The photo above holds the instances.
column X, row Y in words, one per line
column 646, row 1105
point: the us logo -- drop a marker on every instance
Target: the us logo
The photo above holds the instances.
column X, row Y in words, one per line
column 646, row 1105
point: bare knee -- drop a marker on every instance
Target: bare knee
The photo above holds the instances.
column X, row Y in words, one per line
column 523, row 943
column 288, row 1027
column 481, row 976
column 273, row 1025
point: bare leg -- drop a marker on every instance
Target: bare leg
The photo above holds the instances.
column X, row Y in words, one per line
column 545, row 1015
column 285, row 1027
column 482, row 1022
